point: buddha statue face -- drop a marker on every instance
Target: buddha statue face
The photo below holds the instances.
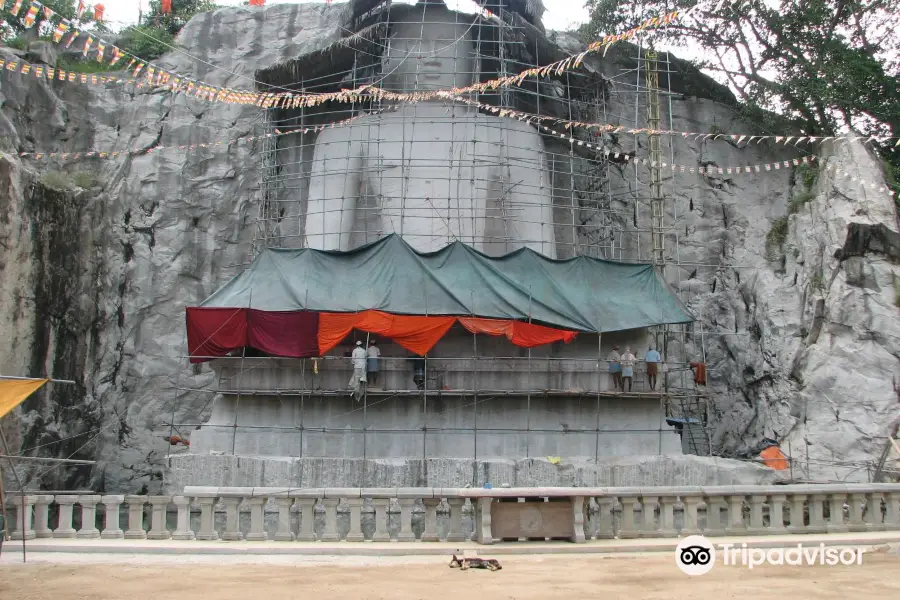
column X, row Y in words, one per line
column 431, row 50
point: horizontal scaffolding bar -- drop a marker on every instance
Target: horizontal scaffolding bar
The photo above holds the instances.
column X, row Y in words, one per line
column 48, row 459
column 36, row 379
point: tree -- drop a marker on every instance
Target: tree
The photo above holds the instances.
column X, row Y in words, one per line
column 828, row 65
column 177, row 18
column 15, row 26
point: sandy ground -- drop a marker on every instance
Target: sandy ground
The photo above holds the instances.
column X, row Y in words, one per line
column 527, row 577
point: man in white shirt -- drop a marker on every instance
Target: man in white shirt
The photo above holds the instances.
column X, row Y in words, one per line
column 358, row 358
column 652, row 358
column 615, row 369
column 627, row 362
column 372, row 356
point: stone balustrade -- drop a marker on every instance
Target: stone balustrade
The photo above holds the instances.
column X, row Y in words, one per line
column 445, row 514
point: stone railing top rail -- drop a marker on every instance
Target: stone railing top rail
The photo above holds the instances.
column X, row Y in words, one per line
column 541, row 492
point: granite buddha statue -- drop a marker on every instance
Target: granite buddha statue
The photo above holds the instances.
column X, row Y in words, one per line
column 435, row 171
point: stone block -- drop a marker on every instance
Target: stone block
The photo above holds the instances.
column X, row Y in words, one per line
column 532, row 519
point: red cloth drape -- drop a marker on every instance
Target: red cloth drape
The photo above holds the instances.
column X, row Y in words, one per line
column 289, row 333
column 699, row 372
column 415, row 333
column 215, row 332
column 525, row 335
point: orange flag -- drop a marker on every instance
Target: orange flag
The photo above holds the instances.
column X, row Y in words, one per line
column 14, row 391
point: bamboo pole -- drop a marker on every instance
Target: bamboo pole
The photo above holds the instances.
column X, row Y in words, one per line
column 3, row 509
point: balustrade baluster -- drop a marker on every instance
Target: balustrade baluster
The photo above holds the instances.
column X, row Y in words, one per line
column 456, row 528
column 112, row 529
column 430, row 534
column 183, row 529
column 23, row 519
column 257, row 531
column 42, row 516
column 88, row 517
column 284, row 533
column 135, row 529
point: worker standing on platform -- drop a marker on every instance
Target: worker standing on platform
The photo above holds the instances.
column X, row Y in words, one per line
column 652, row 359
column 627, row 361
column 358, row 379
column 372, row 356
column 615, row 368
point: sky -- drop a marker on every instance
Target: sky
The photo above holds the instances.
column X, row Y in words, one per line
column 560, row 14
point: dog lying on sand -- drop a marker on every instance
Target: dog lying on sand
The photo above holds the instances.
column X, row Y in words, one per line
column 492, row 564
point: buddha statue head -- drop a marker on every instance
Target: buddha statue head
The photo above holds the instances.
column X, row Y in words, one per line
column 430, row 48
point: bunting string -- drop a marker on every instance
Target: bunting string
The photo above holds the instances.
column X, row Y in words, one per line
column 154, row 75
column 177, row 85
column 623, row 157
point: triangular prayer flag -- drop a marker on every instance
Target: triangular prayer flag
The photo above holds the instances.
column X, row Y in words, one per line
column 60, row 31
column 80, row 9
column 16, row 8
column 48, row 12
column 30, row 16
column 98, row 12
column 117, row 54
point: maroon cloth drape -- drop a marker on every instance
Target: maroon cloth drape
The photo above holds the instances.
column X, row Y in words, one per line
column 214, row 332
column 294, row 334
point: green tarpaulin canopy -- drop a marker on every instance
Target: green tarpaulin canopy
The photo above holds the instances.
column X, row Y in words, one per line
column 582, row 293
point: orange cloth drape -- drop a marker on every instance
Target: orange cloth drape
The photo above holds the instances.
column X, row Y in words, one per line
column 774, row 458
column 416, row 334
column 14, row 391
column 525, row 335
column 419, row 334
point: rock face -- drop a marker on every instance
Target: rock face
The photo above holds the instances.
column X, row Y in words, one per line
column 792, row 273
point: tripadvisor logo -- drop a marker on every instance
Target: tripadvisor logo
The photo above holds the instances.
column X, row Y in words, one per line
column 695, row 555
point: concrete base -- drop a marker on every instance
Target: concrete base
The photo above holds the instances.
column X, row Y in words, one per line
column 636, row 471
column 171, row 547
column 393, row 425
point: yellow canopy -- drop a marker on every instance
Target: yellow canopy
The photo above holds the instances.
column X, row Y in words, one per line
column 14, row 391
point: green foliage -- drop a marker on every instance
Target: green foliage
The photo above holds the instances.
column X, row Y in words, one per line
column 777, row 234
column 15, row 26
column 826, row 65
column 182, row 12
column 798, row 201
column 85, row 179
column 715, row 129
column 20, row 42
column 806, row 175
column 147, row 42
column 87, row 65
column 892, row 177
column 817, row 282
column 56, row 180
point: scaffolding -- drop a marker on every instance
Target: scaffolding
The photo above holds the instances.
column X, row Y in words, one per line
column 340, row 175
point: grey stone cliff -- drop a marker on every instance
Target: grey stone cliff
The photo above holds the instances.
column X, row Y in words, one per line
column 97, row 265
